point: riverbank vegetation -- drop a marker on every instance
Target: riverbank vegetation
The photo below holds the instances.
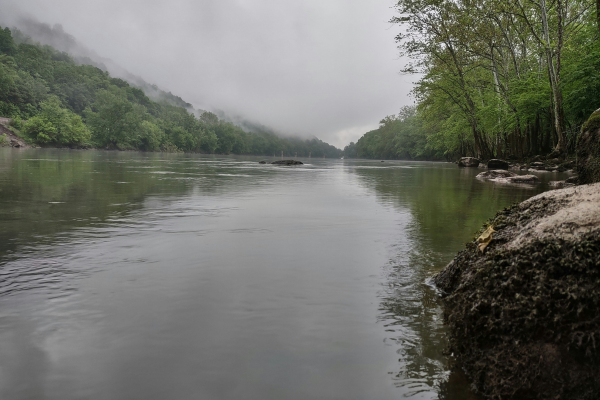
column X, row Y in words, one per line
column 496, row 79
column 55, row 101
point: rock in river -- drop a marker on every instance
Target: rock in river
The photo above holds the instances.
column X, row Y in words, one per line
column 495, row 174
column 497, row 164
column 287, row 162
column 503, row 176
column 469, row 162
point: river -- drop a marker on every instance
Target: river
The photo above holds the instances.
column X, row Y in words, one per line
column 148, row 276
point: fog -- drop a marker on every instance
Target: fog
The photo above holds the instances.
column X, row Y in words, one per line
column 311, row 68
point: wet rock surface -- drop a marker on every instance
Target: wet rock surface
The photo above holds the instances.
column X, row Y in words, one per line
column 504, row 176
column 537, row 165
column 469, row 162
column 287, row 162
column 523, row 316
column 497, row 164
column 529, row 179
column 495, row 174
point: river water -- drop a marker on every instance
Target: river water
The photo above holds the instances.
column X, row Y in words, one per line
column 173, row 276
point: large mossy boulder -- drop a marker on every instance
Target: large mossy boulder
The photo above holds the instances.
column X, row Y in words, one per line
column 523, row 313
column 588, row 150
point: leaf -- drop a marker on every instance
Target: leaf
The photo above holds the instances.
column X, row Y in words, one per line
column 485, row 238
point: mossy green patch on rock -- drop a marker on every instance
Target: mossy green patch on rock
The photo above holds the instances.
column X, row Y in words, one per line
column 588, row 150
column 592, row 123
column 522, row 317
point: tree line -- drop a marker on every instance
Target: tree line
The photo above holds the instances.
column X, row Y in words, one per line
column 496, row 78
column 55, row 101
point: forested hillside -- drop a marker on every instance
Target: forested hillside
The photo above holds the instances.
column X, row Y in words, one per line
column 496, row 79
column 56, row 101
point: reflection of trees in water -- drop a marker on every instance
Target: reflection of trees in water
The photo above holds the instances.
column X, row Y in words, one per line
column 447, row 206
column 412, row 319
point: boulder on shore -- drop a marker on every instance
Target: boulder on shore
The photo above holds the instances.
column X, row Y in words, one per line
column 287, row 162
column 469, row 162
column 497, row 164
column 588, row 150
column 523, row 315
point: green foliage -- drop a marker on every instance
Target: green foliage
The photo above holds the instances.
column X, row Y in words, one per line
column 350, row 151
column 40, row 130
column 7, row 44
column 495, row 80
column 401, row 136
column 55, row 125
column 582, row 78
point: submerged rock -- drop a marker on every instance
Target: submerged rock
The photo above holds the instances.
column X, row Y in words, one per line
column 469, row 162
column 287, row 162
column 262, row 162
column 523, row 316
column 497, row 164
column 588, row 150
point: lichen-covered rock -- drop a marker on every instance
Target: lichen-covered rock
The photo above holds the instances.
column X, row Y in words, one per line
column 588, row 150
column 497, row 164
column 523, row 316
column 469, row 162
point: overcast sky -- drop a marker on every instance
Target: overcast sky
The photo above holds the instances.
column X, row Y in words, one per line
column 327, row 68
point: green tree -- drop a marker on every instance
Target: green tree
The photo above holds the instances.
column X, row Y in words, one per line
column 56, row 125
column 7, row 44
column 112, row 119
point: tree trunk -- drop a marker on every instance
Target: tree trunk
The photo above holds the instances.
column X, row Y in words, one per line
column 554, row 74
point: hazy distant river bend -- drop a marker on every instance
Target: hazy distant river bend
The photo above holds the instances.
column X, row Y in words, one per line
column 172, row 276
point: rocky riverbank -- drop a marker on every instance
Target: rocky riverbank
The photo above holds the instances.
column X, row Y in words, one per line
column 523, row 314
column 8, row 138
column 521, row 301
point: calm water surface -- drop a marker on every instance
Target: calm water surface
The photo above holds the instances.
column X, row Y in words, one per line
column 171, row 276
